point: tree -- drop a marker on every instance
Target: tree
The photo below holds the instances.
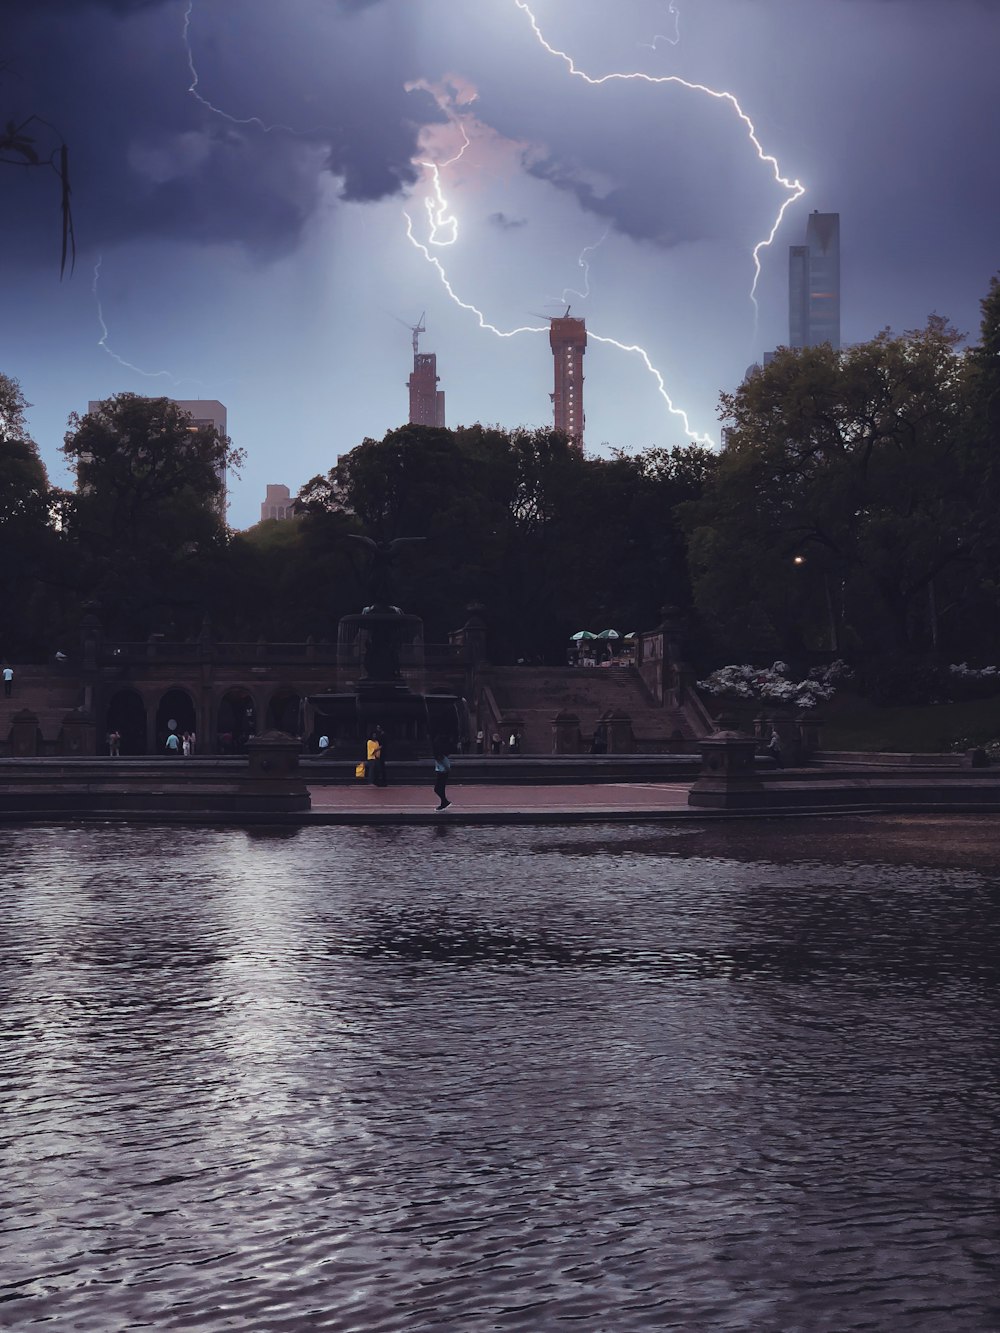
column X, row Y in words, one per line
column 26, row 536
column 842, row 499
column 147, row 513
column 522, row 522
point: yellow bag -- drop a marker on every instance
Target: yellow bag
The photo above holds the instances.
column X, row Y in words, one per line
column 360, row 769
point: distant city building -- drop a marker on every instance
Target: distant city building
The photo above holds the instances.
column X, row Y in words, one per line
column 203, row 412
column 277, row 503
column 814, row 284
column 568, row 340
column 426, row 399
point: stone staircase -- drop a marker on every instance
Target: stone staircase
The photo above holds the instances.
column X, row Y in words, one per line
column 47, row 693
column 536, row 694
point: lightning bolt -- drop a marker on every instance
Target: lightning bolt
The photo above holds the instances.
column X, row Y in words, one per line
column 795, row 188
column 138, row 370
column 103, row 339
column 464, row 305
column 675, row 14
column 209, row 106
column 484, row 323
column 438, row 217
column 585, row 265
column 661, row 386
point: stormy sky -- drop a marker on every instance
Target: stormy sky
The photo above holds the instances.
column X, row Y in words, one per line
column 266, row 195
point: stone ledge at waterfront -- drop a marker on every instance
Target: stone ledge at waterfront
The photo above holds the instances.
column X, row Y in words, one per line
column 274, row 788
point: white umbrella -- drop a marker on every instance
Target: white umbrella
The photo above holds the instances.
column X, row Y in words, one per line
column 582, row 634
column 609, row 634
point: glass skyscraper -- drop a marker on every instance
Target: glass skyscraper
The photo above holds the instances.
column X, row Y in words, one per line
column 814, row 284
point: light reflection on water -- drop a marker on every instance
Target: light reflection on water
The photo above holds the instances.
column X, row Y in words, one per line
column 477, row 1079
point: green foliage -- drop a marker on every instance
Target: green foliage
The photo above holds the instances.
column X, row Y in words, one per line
column 851, row 501
column 27, row 542
column 146, row 517
column 522, row 522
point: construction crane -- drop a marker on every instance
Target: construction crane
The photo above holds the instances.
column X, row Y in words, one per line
column 416, row 329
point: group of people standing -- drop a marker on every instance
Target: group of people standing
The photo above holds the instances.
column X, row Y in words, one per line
column 496, row 742
column 181, row 744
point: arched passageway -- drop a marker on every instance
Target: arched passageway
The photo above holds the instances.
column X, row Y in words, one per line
column 126, row 714
column 284, row 712
column 175, row 714
column 237, row 720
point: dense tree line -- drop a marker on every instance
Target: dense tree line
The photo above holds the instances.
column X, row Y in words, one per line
column 855, row 503
column 852, row 510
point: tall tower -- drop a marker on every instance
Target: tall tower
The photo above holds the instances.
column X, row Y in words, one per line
column 426, row 399
column 814, row 284
column 568, row 340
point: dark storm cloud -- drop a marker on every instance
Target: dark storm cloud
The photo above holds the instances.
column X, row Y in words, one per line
column 148, row 158
column 74, row 6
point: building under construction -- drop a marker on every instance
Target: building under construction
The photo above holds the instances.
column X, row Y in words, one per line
column 568, row 340
column 426, row 399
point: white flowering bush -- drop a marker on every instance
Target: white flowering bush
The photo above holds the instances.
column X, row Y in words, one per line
column 973, row 673
column 772, row 685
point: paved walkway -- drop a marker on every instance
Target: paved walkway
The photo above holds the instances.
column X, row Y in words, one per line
column 482, row 803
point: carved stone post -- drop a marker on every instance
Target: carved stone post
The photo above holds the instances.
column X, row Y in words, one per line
column 618, row 729
column 24, row 734
column 728, row 780
column 273, row 779
column 566, row 734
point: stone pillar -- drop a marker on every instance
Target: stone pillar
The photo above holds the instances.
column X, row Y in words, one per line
column 273, row 783
column 79, row 734
column 728, row 778
column 566, row 734
column 810, row 728
column 789, row 733
column 24, row 734
column 618, row 730
column 273, row 755
column 90, row 636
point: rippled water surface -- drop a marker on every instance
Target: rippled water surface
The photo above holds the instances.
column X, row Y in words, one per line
column 491, row 1079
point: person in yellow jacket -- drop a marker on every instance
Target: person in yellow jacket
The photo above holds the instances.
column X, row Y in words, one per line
column 376, row 759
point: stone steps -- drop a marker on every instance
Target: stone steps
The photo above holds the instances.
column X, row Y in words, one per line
column 536, row 694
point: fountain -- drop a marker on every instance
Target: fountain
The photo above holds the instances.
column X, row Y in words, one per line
column 379, row 653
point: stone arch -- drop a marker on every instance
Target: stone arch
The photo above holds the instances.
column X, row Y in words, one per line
column 284, row 711
column 236, row 719
column 126, row 714
column 177, row 706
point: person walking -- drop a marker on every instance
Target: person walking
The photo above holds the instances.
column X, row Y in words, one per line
column 8, row 680
column 186, row 744
column 173, row 745
column 480, row 741
column 442, row 768
column 375, row 766
column 114, row 744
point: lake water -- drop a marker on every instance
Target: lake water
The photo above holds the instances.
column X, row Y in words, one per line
column 608, row 1079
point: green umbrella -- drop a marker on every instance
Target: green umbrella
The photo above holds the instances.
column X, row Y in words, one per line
column 609, row 634
column 582, row 634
